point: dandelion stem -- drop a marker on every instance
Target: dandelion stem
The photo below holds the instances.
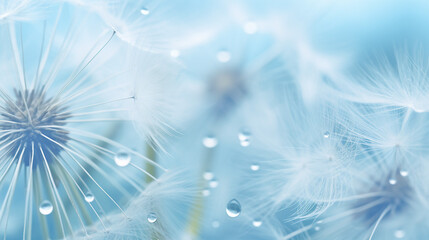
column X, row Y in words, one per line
column 28, row 206
column 150, row 168
column 198, row 209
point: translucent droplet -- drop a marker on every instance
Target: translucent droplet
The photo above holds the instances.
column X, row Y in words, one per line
column 144, row 11
column 254, row 167
column 215, row 224
column 122, row 159
column 223, row 56
column 174, row 53
column 151, row 217
column 392, row 181
column 317, row 228
column 213, row 183
column 399, row 234
column 89, row 197
column 46, row 207
column 210, row 141
column 233, row 208
column 208, row 176
column 244, row 137
column 257, row 222
column 326, row 135
column 403, row 173
column 250, row 28
column 206, row 192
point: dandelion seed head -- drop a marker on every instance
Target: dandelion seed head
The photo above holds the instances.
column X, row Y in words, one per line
column 30, row 119
column 228, row 88
column 397, row 196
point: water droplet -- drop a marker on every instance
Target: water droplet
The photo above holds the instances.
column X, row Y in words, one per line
column 250, row 28
column 317, row 228
column 223, row 56
column 210, row 141
column 254, row 167
column 144, row 11
column 326, row 134
column 46, row 207
column 89, row 197
column 244, row 137
column 174, row 53
column 257, row 222
column 213, row 183
column 206, row 192
column 403, row 173
column 392, row 181
column 215, row 224
column 151, row 217
column 399, row 234
column 233, row 208
column 122, row 159
column 208, row 176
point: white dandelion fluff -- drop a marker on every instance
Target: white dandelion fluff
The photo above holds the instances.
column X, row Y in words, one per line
column 155, row 96
column 67, row 149
column 314, row 159
column 397, row 81
column 22, row 10
column 378, row 209
column 154, row 213
column 153, row 26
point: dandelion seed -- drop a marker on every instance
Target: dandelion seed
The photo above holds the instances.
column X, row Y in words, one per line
column 400, row 82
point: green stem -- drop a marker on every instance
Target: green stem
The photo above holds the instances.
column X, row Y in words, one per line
column 150, row 168
column 198, row 209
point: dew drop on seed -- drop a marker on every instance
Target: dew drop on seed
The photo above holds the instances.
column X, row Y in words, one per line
column 254, row 167
column 215, row 224
column 89, row 197
column 223, row 56
column 392, row 181
column 233, row 208
column 122, row 159
column 244, row 137
column 206, row 192
column 144, row 11
column 151, row 217
column 257, row 222
column 46, row 207
column 213, row 183
column 399, row 234
column 403, row 173
column 326, row 135
column 210, row 141
column 208, row 176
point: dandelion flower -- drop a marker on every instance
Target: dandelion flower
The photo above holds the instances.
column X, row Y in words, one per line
column 67, row 149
